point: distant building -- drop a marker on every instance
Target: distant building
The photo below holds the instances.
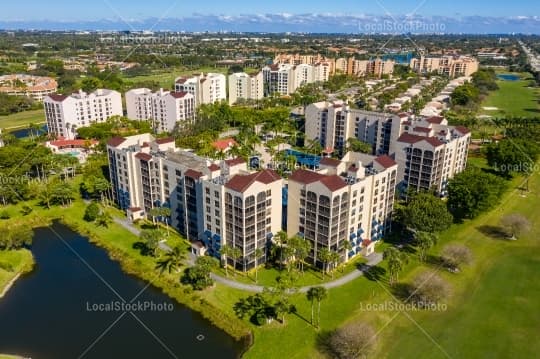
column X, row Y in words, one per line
column 362, row 68
column 246, row 87
column 164, row 108
column 206, row 89
column 429, row 151
column 452, row 66
column 285, row 79
column 65, row 114
column 36, row 87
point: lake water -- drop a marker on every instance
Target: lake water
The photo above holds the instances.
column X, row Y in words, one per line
column 508, row 77
column 53, row 312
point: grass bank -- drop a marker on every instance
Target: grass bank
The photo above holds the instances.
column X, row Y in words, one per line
column 12, row 265
column 22, row 119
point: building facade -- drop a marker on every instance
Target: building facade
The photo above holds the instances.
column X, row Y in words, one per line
column 246, row 87
column 206, row 89
column 344, row 201
column 451, row 66
column 65, row 114
column 36, row 87
column 443, row 148
column 165, row 109
column 285, row 79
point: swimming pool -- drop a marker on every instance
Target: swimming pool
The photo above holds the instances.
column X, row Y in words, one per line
column 508, row 77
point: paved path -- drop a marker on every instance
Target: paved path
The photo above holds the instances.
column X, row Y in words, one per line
column 373, row 260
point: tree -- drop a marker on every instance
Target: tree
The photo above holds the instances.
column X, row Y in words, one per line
column 225, row 253
column 325, row 256
column 429, row 288
column 198, row 277
column 172, row 260
column 90, row 84
column 455, row 255
column 258, row 254
column 355, row 145
column 104, row 219
column 15, row 237
column 316, row 294
column 516, row 224
column 150, row 238
column 424, row 241
column 235, row 254
column 465, row 94
column 396, row 261
column 352, row 341
column 474, row 191
column 335, row 257
column 92, row 212
column 427, row 213
column 511, row 156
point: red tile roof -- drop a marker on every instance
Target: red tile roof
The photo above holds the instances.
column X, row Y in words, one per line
column 180, row 94
column 435, row 120
column 57, row 97
column 331, row 162
column 75, row 143
column 333, row 183
column 213, row 167
column 422, row 129
column 408, row 138
column 193, row 174
column 385, row 161
column 366, row 242
column 162, row 141
column 143, row 156
column 116, row 141
column 224, row 144
column 181, row 80
column 240, row 183
column 462, row 130
column 235, row 161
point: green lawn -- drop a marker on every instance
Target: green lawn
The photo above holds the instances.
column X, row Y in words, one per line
column 13, row 263
column 22, row 119
column 166, row 77
column 513, row 99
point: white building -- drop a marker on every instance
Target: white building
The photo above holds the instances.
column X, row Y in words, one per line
column 246, row 87
column 345, row 201
column 164, row 108
column 285, row 79
column 206, row 89
column 65, row 114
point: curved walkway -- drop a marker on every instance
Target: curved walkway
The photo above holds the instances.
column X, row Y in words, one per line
column 373, row 260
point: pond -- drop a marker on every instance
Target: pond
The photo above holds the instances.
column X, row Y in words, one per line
column 70, row 306
column 508, row 77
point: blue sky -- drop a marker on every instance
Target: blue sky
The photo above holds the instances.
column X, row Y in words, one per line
column 98, row 9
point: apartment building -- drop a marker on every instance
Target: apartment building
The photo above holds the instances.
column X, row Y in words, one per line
column 206, row 89
column 215, row 203
column 246, row 87
column 65, row 114
column 333, row 123
column 297, row 59
column 36, row 87
column 362, row 68
column 285, row 79
column 443, row 148
column 451, row 66
column 165, row 109
column 345, row 200
column 430, row 153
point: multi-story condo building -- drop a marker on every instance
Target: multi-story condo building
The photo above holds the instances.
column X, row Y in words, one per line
column 65, row 114
column 297, row 59
column 246, row 87
column 452, row 66
column 361, row 68
column 209, row 88
column 285, row 79
column 215, row 202
column 165, row 109
column 348, row 200
column 333, row 123
column 36, row 87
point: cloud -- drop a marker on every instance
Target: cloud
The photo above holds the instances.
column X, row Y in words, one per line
column 307, row 22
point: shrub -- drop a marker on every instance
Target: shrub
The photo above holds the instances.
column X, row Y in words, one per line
column 352, row 341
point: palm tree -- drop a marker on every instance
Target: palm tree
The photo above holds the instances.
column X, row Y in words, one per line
column 346, row 246
column 172, row 260
column 334, row 260
column 280, row 239
column 325, row 257
column 425, row 241
column 235, row 254
column 165, row 213
column 258, row 253
column 396, row 262
column 316, row 294
column 225, row 252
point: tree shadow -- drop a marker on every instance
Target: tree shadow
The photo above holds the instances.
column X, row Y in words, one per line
column 494, row 232
column 533, row 110
column 295, row 312
column 401, row 291
column 374, row 273
column 434, row 260
column 148, row 226
column 323, row 345
column 142, row 248
column 409, row 248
